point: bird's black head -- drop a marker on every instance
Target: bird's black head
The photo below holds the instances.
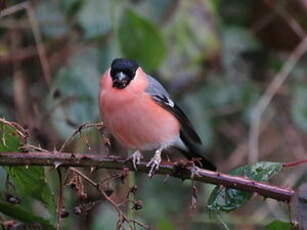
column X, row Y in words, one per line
column 122, row 72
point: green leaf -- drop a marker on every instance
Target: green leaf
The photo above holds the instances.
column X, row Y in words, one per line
column 140, row 40
column 10, row 140
column 278, row 225
column 227, row 199
column 95, row 17
column 23, row 215
column 30, row 181
column 299, row 107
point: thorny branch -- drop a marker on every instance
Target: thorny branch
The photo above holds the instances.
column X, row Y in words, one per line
column 176, row 170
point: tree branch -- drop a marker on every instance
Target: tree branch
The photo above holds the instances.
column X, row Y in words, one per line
column 112, row 162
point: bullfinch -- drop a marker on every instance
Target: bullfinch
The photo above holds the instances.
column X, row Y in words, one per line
column 140, row 114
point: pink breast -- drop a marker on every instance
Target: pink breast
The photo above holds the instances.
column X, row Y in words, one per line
column 137, row 121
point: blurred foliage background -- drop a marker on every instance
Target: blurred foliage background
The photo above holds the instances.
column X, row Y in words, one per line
column 216, row 57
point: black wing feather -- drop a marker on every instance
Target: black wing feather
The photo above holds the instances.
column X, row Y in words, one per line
column 186, row 126
column 187, row 133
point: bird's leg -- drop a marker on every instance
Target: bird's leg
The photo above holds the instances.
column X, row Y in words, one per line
column 136, row 158
column 154, row 162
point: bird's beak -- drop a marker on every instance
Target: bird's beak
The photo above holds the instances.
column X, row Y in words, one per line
column 120, row 80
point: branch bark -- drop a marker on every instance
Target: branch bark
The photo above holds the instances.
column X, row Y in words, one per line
column 57, row 159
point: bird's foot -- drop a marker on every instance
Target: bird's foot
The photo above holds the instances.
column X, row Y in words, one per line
column 136, row 159
column 195, row 171
column 154, row 163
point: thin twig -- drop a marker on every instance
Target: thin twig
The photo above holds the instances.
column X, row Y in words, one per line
column 39, row 43
column 23, row 133
column 13, row 9
column 105, row 196
column 282, row 12
column 100, row 161
column 59, row 201
column 294, row 163
column 78, row 130
column 267, row 97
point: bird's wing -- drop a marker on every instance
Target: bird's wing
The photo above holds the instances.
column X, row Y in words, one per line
column 160, row 95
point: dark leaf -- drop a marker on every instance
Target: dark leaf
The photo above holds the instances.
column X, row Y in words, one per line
column 140, row 40
column 23, row 215
column 227, row 199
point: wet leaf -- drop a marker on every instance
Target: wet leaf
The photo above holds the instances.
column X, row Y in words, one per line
column 140, row 40
column 227, row 199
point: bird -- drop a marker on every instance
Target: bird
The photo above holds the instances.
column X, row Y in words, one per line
column 138, row 111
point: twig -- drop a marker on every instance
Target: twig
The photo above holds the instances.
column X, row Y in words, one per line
column 39, row 43
column 78, row 130
column 59, row 201
column 294, row 163
column 267, row 97
column 100, row 161
column 281, row 11
column 23, row 133
column 116, row 206
column 13, row 9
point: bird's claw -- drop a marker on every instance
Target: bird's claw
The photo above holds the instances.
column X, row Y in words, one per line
column 136, row 159
column 154, row 163
column 195, row 171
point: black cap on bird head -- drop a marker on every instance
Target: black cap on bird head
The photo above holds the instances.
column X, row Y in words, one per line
column 122, row 72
